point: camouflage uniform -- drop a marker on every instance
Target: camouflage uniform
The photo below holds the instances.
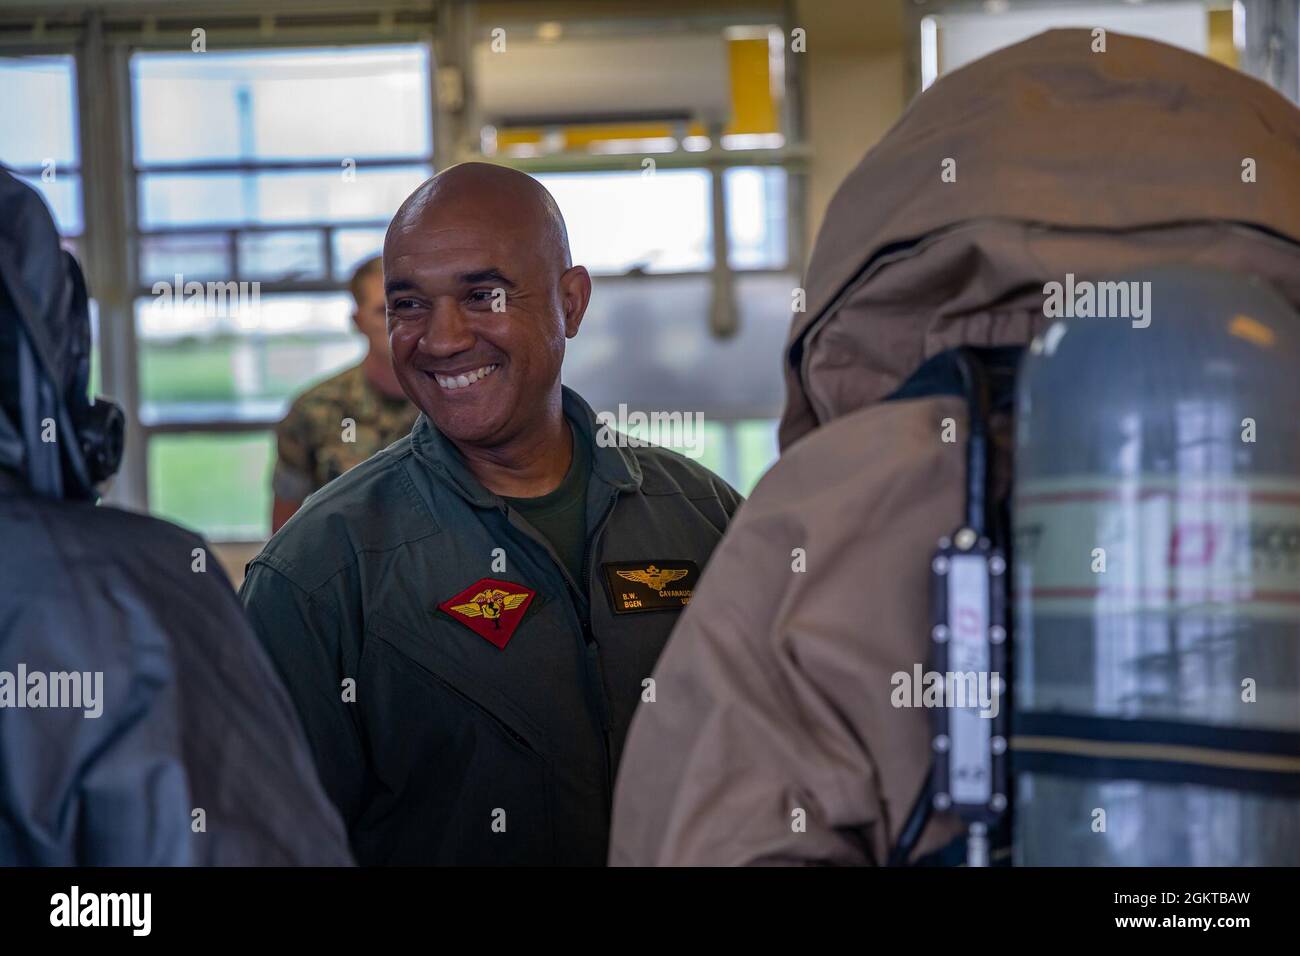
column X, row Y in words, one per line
column 311, row 450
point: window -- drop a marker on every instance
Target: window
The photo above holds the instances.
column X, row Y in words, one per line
column 215, row 482
column 262, row 177
column 38, row 141
column 39, row 144
column 621, row 222
column 952, row 38
column 644, row 122
column 254, row 206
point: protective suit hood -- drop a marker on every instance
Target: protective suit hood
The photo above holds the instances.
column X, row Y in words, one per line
column 45, row 358
column 1040, row 159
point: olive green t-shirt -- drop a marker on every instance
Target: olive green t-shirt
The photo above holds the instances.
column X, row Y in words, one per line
column 561, row 515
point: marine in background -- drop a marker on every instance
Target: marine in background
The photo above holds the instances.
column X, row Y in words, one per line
column 313, row 444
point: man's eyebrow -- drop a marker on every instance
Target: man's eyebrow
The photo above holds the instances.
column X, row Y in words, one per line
column 485, row 275
column 397, row 286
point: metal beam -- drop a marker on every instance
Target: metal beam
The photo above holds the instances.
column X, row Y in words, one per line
column 108, row 201
column 795, row 156
column 451, row 84
column 1272, row 51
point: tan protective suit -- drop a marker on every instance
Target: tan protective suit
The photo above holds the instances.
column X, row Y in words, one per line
column 773, row 695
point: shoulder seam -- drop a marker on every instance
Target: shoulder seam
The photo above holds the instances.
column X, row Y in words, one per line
column 287, row 569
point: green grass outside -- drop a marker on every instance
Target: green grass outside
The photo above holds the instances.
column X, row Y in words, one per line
column 219, row 485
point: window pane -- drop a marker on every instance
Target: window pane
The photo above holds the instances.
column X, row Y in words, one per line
column 624, row 221
column 966, row 35
column 219, row 485
column 353, row 247
column 704, row 446
column 282, row 256
column 283, row 104
column 174, row 199
column 646, row 342
column 37, row 112
column 96, row 383
column 758, row 450
column 63, row 195
column 240, row 359
column 756, row 217
column 38, row 132
column 195, row 256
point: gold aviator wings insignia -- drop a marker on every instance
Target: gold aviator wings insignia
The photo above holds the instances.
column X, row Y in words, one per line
column 654, row 578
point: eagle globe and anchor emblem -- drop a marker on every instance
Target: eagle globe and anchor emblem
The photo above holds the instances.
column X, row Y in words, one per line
column 490, row 605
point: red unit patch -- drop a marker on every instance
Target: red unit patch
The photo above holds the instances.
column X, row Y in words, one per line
column 490, row 608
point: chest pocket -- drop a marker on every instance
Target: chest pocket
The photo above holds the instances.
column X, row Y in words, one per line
column 468, row 772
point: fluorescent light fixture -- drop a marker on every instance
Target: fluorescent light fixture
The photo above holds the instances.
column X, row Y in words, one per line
column 656, row 144
column 753, row 141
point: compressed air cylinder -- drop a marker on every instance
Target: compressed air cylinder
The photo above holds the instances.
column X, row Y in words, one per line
column 1156, row 577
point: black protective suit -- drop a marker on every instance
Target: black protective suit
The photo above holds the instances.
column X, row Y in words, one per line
column 140, row 721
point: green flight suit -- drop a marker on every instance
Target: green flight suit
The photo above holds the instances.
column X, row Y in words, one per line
column 465, row 698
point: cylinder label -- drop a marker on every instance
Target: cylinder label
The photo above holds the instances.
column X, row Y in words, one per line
column 1087, row 546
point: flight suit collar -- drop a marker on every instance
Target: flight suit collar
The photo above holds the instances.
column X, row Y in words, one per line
column 611, row 464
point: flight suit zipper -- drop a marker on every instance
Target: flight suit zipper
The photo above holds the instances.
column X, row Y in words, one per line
column 593, row 650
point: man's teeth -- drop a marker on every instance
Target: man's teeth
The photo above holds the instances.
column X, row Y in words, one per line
column 465, row 380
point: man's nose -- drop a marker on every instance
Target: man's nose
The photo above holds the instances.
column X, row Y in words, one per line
column 447, row 332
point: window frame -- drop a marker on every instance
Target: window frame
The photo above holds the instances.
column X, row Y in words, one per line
column 101, row 46
column 151, row 425
column 793, row 156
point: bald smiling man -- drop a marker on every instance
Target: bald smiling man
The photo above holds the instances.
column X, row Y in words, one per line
column 465, row 621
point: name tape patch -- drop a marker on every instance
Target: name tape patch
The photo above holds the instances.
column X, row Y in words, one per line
column 650, row 585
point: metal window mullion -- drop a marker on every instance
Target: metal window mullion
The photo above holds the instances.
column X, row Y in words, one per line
column 1272, row 51
column 201, row 229
column 327, row 250
column 246, row 166
column 35, row 172
column 723, row 318
column 316, row 286
column 451, row 49
column 730, row 464
column 109, row 214
column 232, row 253
column 792, row 129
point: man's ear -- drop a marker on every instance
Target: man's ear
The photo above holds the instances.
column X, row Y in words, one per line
column 575, row 293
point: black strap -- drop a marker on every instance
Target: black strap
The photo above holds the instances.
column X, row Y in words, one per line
column 1157, row 751
column 915, row 823
column 985, row 377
